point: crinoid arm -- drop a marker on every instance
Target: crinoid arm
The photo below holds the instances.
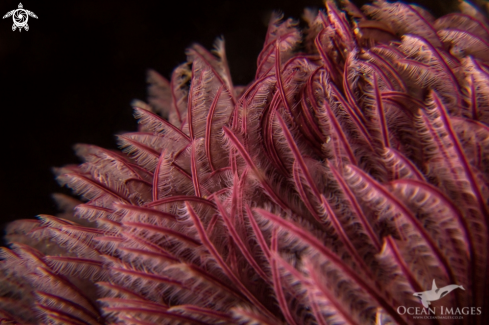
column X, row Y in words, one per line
column 338, row 185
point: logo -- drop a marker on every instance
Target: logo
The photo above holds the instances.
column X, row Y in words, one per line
column 435, row 293
column 20, row 17
column 437, row 311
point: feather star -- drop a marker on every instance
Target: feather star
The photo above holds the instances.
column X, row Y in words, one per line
column 351, row 173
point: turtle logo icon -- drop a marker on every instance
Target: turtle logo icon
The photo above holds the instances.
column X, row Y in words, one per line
column 20, row 16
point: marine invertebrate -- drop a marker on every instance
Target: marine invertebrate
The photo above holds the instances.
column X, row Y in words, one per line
column 343, row 179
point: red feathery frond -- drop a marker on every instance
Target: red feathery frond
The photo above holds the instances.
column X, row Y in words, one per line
column 338, row 187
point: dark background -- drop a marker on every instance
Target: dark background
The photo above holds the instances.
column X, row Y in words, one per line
column 71, row 77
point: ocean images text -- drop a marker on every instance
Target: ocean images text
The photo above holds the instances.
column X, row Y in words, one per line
column 464, row 311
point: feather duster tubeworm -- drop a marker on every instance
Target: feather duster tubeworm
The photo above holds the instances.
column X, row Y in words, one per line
column 349, row 175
